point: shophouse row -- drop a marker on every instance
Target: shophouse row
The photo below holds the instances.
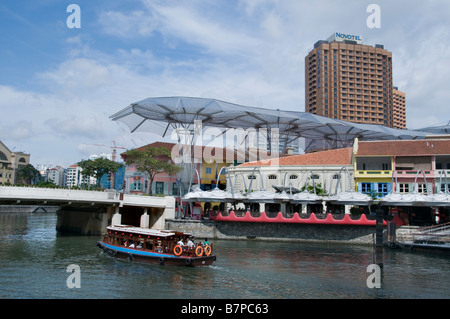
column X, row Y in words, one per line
column 372, row 167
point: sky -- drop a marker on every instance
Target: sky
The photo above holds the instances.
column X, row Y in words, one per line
column 59, row 84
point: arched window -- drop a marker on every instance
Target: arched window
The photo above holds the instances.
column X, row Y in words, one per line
column 22, row 160
column 3, row 157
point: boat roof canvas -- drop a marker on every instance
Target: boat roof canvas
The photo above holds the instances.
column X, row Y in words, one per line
column 142, row 231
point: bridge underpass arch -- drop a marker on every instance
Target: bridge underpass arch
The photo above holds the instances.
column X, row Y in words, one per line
column 131, row 215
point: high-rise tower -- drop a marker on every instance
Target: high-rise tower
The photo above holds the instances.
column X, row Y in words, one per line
column 399, row 109
column 348, row 80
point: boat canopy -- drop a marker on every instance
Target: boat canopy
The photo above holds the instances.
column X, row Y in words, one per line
column 142, row 231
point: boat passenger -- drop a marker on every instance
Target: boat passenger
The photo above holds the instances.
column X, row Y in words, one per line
column 180, row 242
column 206, row 242
column 190, row 243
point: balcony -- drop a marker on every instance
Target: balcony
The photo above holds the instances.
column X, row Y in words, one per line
column 412, row 173
column 373, row 173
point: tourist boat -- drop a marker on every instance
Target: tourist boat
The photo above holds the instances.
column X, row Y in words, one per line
column 155, row 246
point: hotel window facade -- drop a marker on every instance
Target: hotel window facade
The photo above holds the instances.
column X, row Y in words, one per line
column 350, row 81
column 399, row 109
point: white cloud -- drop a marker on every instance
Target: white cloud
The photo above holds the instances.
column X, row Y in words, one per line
column 81, row 125
column 16, row 131
column 421, row 70
column 250, row 52
column 79, row 75
column 194, row 24
column 125, row 25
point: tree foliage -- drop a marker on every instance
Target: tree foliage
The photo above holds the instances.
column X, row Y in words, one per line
column 153, row 161
column 28, row 174
column 319, row 190
column 98, row 167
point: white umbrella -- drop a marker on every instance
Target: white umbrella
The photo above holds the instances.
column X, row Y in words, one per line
column 306, row 197
column 351, row 198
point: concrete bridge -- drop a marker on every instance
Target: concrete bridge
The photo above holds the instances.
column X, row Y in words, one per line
column 90, row 212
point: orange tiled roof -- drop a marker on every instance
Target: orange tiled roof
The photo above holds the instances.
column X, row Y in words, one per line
column 404, row 148
column 166, row 145
column 342, row 156
column 210, row 150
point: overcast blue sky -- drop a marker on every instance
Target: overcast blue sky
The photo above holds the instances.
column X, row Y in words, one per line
column 59, row 85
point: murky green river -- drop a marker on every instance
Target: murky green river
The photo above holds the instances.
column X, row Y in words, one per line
column 34, row 261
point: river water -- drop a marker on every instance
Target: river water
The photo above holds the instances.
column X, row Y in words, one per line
column 34, row 261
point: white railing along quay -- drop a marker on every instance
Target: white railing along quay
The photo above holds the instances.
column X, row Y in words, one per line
column 437, row 233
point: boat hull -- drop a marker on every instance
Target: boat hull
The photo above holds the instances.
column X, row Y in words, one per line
column 154, row 257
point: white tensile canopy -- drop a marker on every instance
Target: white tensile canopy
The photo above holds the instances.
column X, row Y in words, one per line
column 164, row 114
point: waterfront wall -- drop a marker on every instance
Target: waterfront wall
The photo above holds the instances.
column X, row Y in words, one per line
column 296, row 219
column 350, row 234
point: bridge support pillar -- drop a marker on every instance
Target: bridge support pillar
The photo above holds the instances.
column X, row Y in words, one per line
column 145, row 219
column 82, row 221
column 158, row 216
column 117, row 217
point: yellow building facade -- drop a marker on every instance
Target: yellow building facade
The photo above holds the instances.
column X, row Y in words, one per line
column 373, row 172
column 10, row 162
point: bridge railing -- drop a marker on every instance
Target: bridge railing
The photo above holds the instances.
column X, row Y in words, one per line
column 56, row 195
column 142, row 200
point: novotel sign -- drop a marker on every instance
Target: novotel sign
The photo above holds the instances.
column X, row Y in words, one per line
column 340, row 37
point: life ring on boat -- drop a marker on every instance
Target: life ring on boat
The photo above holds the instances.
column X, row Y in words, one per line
column 177, row 250
column 207, row 250
column 199, row 251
